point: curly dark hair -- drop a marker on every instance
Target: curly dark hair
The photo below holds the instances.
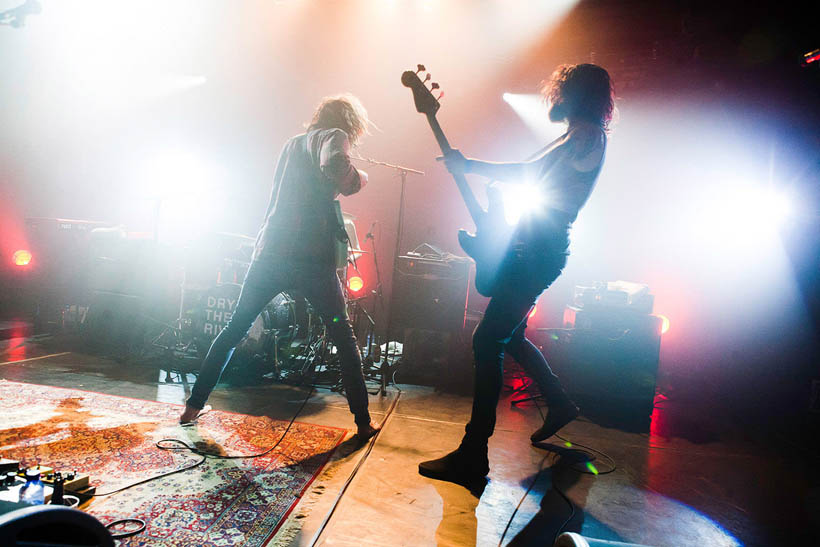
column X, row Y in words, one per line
column 582, row 91
column 343, row 112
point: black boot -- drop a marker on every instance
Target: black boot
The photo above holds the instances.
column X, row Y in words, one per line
column 466, row 465
column 557, row 417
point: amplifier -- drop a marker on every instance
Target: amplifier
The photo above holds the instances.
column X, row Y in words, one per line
column 430, row 293
column 607, row 359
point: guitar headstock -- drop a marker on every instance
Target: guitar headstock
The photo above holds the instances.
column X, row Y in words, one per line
column 426, row 103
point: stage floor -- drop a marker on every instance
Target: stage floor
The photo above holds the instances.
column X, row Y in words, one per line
column 692, row 480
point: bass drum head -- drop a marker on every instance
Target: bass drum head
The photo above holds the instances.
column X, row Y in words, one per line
column 277, row 345
column 253, row 357
column 298, row 329
column 210, row 311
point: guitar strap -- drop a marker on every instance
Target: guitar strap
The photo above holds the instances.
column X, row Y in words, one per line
column 544, row 148
column 538, row 152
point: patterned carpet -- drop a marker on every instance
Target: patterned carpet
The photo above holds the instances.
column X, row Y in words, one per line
column 221, row 502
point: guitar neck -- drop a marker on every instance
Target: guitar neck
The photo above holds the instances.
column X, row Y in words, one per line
column 473, row 206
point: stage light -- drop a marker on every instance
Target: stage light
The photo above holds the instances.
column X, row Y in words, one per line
column 811, row 57
column 743, row 215
column 521, row 199
column 664, row 324
column 781, row 206
column 355, row 283
column 22, row 257
column 534, row 113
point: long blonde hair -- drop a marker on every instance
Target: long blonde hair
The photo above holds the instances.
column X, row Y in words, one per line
column 343, row 112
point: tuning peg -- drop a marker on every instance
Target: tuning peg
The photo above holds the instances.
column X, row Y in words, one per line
column 427, row 77
column 420, row 68
column 434, row 86
column 440, row 95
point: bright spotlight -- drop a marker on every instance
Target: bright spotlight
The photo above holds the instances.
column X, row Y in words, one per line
column 521, row 199
column 355, row 283
column 744, row 212
column 664, row 324
column 761, row 205
column 21, row 257
column 534, row 113
column 781, row 207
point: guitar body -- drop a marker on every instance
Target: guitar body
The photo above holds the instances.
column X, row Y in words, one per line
column 489, row 245
column 340, row 241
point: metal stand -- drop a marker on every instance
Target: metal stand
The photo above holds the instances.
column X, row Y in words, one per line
column 401, row 172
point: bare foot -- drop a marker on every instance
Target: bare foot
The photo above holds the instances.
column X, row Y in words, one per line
column 190, row 414
column 367, row 431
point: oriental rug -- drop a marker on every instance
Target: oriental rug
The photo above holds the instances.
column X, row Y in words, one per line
column 112, row 439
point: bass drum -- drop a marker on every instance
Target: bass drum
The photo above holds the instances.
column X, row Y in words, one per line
column 277, row 345
column 208, row 313
column 296, row 329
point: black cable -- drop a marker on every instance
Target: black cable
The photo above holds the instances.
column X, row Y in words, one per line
column 593, row 471
column 205, row 455
column 353, row 473
column 517, row 507
column 569, row 444
column 127, row 533
column 166, row 474
column 611, row 461
column 569, row 518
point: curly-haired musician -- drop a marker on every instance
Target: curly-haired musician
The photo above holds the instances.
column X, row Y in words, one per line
column 295, row 249
column 582, row 97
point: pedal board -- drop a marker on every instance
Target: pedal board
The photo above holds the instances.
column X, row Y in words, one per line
column 75, row 483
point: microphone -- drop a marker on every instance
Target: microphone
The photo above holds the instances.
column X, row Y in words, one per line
column 369, row 234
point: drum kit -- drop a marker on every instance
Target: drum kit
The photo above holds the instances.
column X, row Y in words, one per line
column 287, row 341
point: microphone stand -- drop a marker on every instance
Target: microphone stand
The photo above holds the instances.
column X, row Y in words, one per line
column 401, row 172
column 378, row 292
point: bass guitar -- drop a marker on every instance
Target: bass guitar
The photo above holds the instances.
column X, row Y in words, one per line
column 489, row 245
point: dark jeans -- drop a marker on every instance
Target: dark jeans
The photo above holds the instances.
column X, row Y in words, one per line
column 321, row 287
column 502, row 329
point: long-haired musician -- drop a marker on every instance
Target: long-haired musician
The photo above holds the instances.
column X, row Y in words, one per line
column 582, row 97
column 295, row 249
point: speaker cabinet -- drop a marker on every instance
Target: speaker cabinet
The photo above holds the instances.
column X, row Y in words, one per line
column 115, row 324
column 429, row 311
column 607, row 359
column 429, row 294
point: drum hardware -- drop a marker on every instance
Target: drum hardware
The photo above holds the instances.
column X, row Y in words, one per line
column 286, row 343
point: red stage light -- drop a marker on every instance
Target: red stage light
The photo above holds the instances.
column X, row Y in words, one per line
column 355, row 283
column 811, row 57
column 532, row 313
column 22, row 257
